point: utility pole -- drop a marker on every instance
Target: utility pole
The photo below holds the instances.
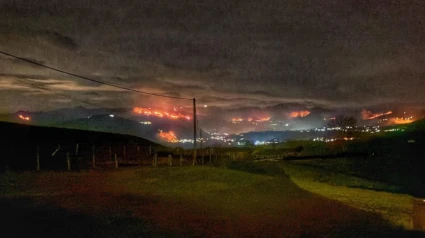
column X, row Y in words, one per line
column 194, row 132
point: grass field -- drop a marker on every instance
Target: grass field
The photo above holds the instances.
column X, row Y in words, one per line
column 173, row 202
column 332, row 179
column 345, row 172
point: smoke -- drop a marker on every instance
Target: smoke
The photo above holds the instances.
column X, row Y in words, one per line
column 368, row 115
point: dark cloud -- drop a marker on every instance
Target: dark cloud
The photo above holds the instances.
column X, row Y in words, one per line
column 92, row 94
column 59, row 40
column 23, row 76
column 225, row 53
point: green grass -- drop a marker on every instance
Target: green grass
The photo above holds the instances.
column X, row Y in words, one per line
column 205, row 186
column 394, row 207
column 340, row 172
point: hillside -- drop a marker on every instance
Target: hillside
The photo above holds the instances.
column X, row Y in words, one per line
column 131, row 126
column 116, row 120
column 19, row 145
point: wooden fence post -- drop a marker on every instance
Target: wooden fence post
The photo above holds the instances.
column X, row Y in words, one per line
column 38, row 158
column 116, row 161
column 124, row 152
column 93, row 157
column 76, row 149
column 170, row 160
column 68, row 161
column 181, row 160
column 110, row 152
column 155, row 160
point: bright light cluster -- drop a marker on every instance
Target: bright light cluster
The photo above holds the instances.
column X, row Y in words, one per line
column 24, row 118
column 332, row 139
column 159, row 113
column 257, row 142
column 250, row 119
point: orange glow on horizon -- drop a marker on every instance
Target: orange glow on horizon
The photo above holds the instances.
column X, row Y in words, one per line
column 24, row 118
column 368, row 115
column 401, row 120
column 161, row 114
column 168, row 136
column 237, row 119
column 299, row 114
column 250, row 119
column 263, row 119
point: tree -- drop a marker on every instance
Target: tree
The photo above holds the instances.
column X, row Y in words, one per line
column 343, row 127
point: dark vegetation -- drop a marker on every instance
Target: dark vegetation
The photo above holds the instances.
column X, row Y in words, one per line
column 18, row 147
column 394, row 158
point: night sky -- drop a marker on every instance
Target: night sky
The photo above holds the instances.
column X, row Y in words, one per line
column 225, row 53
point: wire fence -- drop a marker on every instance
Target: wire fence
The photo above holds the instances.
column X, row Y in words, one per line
column 165, row 121
column 68, row 156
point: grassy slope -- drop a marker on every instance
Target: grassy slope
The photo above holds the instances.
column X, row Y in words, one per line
column 200, row 201
column 321, row 177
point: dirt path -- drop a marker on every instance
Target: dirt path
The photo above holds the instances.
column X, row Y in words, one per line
column 105, row 204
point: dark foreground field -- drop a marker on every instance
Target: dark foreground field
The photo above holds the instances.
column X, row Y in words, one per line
column 174, row 202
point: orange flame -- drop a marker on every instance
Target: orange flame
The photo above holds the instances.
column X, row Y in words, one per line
column 299, row 114
column 237, row 119
column 24, row 118
column 158, row 113
column 263, row 119
column 168, row 136
column 368, row 115
column 401, row 120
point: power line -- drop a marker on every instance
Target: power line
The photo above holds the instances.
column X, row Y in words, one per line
column 89, row 79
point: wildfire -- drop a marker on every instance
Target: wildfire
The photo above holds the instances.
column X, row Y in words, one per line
column 168, row 136
column 401, row 120
column 299, row 114
column 368, row 115
column 161, row 114
column 263, row 119
column 237, row 119
column 24, row 118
